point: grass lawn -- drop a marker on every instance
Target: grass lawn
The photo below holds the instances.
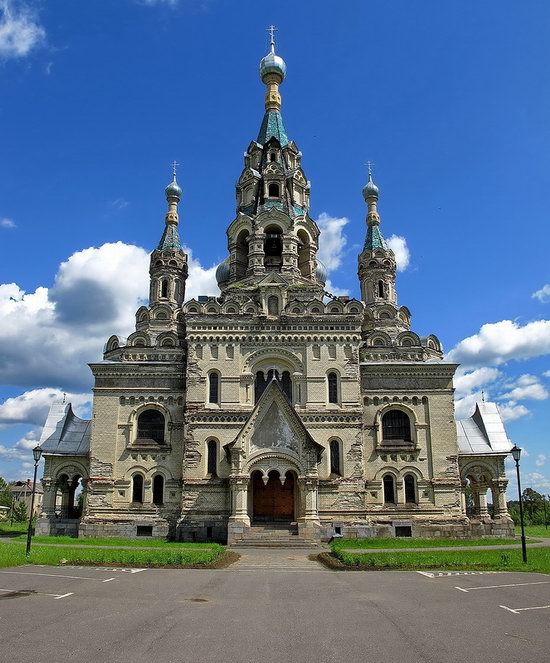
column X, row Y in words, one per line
column 176, row 555
column 411, row 542
column 534, row 530
column 475, row 560
column 13, row 530
column 144, row 542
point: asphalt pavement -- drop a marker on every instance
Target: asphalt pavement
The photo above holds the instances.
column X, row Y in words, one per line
column 272, row 606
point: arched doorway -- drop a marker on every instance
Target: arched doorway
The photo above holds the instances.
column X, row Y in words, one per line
column 273, row 501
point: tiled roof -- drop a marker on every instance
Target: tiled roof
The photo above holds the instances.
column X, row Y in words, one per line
column 273, row 127
column 375, row 239
column 170, row 239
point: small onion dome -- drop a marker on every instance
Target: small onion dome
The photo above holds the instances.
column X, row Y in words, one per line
column 370, row 190
column 272, row 64
column 321, row 272
column 223, row 272
column 173, row 190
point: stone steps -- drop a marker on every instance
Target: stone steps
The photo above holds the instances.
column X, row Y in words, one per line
column 274, row 535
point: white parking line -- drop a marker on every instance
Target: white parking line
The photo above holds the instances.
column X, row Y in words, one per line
column 447, row 574
column 515, row 584
column 55, row 596
column 517, row 611
column 49, row 575
column 108, row 569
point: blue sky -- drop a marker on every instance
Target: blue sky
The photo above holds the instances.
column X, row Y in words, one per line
column 450, row 100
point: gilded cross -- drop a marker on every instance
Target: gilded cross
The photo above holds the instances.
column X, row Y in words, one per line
column 272, row 30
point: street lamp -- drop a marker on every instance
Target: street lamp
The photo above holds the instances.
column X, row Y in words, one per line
column 36, row 454
column 516, row 455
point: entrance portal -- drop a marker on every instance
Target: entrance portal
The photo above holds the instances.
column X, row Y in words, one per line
column 273, row 501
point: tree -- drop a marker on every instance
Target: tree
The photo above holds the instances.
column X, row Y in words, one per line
column 20, row 514
column 534, row 507
column 5, row 493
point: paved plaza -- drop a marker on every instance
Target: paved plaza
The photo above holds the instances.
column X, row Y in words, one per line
column 272, row 605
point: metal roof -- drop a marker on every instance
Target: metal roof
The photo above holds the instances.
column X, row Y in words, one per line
column 483, row 432
column 64, row 433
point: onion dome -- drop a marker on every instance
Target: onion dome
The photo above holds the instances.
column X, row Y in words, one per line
column 272, row 64
column 173, row 190
column 321, row 273
column 370, row 190
column 223, row 272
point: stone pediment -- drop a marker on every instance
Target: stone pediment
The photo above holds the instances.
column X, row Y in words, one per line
column 275, row 426
column 273, row 278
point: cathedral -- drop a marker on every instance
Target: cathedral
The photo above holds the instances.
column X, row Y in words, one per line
column 274, row 412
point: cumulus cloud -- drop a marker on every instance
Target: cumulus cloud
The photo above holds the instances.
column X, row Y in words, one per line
column 499, row 342
column 543, row 295
column 466, row 382
column 537, row 480
column 527, row 387
column 398, row 245
column 511, row 411
column 32, row 406
column 48, row 336
column 7, row 223
column 332, row 240
column 20, row 30
column 541, row 460
column 465, row 405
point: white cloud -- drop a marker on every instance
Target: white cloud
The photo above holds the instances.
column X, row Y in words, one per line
column 201, row 280
column 546, row 374
column 32, row 406
column 332, row 240
column 398, row 245
column 537, row 480
column 11, row 453
column 49, row 335
column 511, row 411
column 120, row 203
column 334, row 289
column 20, row 30
column 499, row 342
column 528, row 387
column 465, row 406
column 464, row 382
column 541, row 460
column 543, row 295
column 7, row 223
column 154, row 3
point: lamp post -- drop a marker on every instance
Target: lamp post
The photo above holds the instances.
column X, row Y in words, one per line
column 516, row 455
column 36, row 454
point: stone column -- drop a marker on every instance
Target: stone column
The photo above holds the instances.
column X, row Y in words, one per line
column 239, row 500
column 309, row 489
column 482, row 492
column 48, row 501
column 499, row 497
column 463, row 505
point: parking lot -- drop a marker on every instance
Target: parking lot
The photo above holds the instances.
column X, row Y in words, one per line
column 288, row 609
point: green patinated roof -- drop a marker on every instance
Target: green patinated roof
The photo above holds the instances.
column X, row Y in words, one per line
column 170, row 238
column 273, row 127
column 375, row 239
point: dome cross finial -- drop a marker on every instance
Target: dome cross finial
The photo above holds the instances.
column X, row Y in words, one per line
column 272, row 30
column 175, row 165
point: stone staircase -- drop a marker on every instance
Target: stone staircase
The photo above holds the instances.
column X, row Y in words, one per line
column 274, row 535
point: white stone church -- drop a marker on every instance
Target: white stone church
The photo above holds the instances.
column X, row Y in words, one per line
column 274, row 410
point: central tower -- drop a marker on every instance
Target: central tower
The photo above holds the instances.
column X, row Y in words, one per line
column 272, row 239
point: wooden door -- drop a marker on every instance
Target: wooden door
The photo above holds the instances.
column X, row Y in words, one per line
column 273, row 502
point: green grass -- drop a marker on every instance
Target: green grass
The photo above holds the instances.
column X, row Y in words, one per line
column 476, row 560
column 13, row 530
column 534, row 530
column 118, row 541
column 13, row 554
column 339, row 544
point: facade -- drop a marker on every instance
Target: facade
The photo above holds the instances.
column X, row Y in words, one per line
column 274, row 406
column 21, row 491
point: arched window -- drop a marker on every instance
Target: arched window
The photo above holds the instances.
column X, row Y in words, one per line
column 164, row 288
column 158, row 489
column 151, row 426
column 273, row 249
column 260, row 383
column 396, row 427
column 241, row 253
column 389, row 489
column 335, row 457
column 332, row 380
column 381, row 288
column 286, row 385
column 273, row 305
column 137, row 489
column 272, row 156
column 410, row 489
column 213, row 387
column 212, row 457
column 273, row 190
